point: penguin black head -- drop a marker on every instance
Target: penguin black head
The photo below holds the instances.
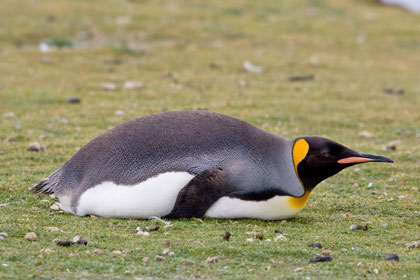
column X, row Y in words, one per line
column 319, row 158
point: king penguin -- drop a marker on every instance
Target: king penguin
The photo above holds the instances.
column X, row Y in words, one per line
column 196, row 163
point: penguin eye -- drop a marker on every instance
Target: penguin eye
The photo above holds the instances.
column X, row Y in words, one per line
column 325, row 154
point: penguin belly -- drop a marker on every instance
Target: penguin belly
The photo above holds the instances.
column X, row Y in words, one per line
column 275, row 208
column 156, row 196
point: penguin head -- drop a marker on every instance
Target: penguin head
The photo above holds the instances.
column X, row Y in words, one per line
column 317, row 158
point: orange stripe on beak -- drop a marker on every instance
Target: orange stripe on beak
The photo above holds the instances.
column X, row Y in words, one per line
column 354, row 160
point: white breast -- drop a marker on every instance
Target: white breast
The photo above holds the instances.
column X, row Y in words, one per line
column 154, row 197
column 276, row 208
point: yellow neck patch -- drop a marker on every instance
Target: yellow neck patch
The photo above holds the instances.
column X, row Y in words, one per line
column 300, row 150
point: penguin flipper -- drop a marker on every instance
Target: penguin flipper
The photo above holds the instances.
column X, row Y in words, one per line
column 199, row 194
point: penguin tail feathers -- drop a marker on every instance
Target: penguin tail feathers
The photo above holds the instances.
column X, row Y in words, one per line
column 47, row 185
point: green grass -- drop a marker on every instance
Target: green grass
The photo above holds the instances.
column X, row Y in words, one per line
column 354, row 49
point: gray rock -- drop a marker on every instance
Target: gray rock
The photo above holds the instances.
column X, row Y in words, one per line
column 392, row 257
column 73, row 99
column 315, row 245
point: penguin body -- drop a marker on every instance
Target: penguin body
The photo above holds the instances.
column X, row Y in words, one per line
column 186, row 164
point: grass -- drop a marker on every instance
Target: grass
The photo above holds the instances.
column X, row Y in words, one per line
column 189, row 54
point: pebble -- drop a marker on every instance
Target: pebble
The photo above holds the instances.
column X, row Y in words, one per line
column 56, row 206
column 152, row 228
column 98, row 251
column 301, row 78
column 321, row 259
column 359, row 227
column 47, row 251
column 315, row 245
column 414, row 244
column 248, row 66
column 393, row 91
column 117, row 252
column 392, row 257
column 4, row 235
column 35, row 147
column 8, row 115
column 326, row 253
column 119, row 112
column 79, row 240
column 145, row 259
column 212, row 259
column 109, row 86
column 73, row 99
column 167, row 242
column 366, row 134
column 393, row 145
column 298, row 269
column 128, row 85
column 227, row 236
column 30, row 236
column 249, row 240
column 159, row 258
column 2, row 238
column 418, row 259
column 143, row 233
column 53, row 229
column 280, row 237
column 186, row 261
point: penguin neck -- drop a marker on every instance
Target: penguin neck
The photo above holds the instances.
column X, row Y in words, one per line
column 299, row 151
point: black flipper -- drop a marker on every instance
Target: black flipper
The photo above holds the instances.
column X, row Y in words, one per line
column 48, row 185
column 199, row 194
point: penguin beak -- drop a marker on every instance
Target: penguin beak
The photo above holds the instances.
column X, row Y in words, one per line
column 360, row 158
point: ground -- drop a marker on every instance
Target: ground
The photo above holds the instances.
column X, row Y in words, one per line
column 190, row 54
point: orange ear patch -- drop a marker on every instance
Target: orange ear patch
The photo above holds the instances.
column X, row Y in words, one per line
column 353, row 160
column 300, row 150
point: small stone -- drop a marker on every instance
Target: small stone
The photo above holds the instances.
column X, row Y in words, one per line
column 117, row 252
column 298, row 269
column 2, row 238
column 315, row 245
column 5, row 204
column 366, row 134
column 145, row 259
column 393, row 145
column 392, row 257
column 186, row 261
column 128, row 85
column 249, row 240
column 393, row 91
column 321, row 259
column 171, row 254
column 278, row 231
column 356, row 185
column 227, row 236
column 384, row 224
column 119, row 112
column 143, row 233
column 212, row 259
column 159, row 258
column 30, row 236
column 376, row 271
column 56, row 206
column 98, row 251
column 47, row 251
column 326, row 253
column 4, row 235
column 167, row 242
column 152, row 228
column 8, row 115
column 359, row 227
column 79, row 240
column 73, row 100
column 35, row 147
column 280, row 237
column 127, row 272
column 259, row 236
column 301, row 78
column 109, row 86
column 248, row 66
column 64, row 243
column 166, row 251
column 418, row 259
column 414, row 244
